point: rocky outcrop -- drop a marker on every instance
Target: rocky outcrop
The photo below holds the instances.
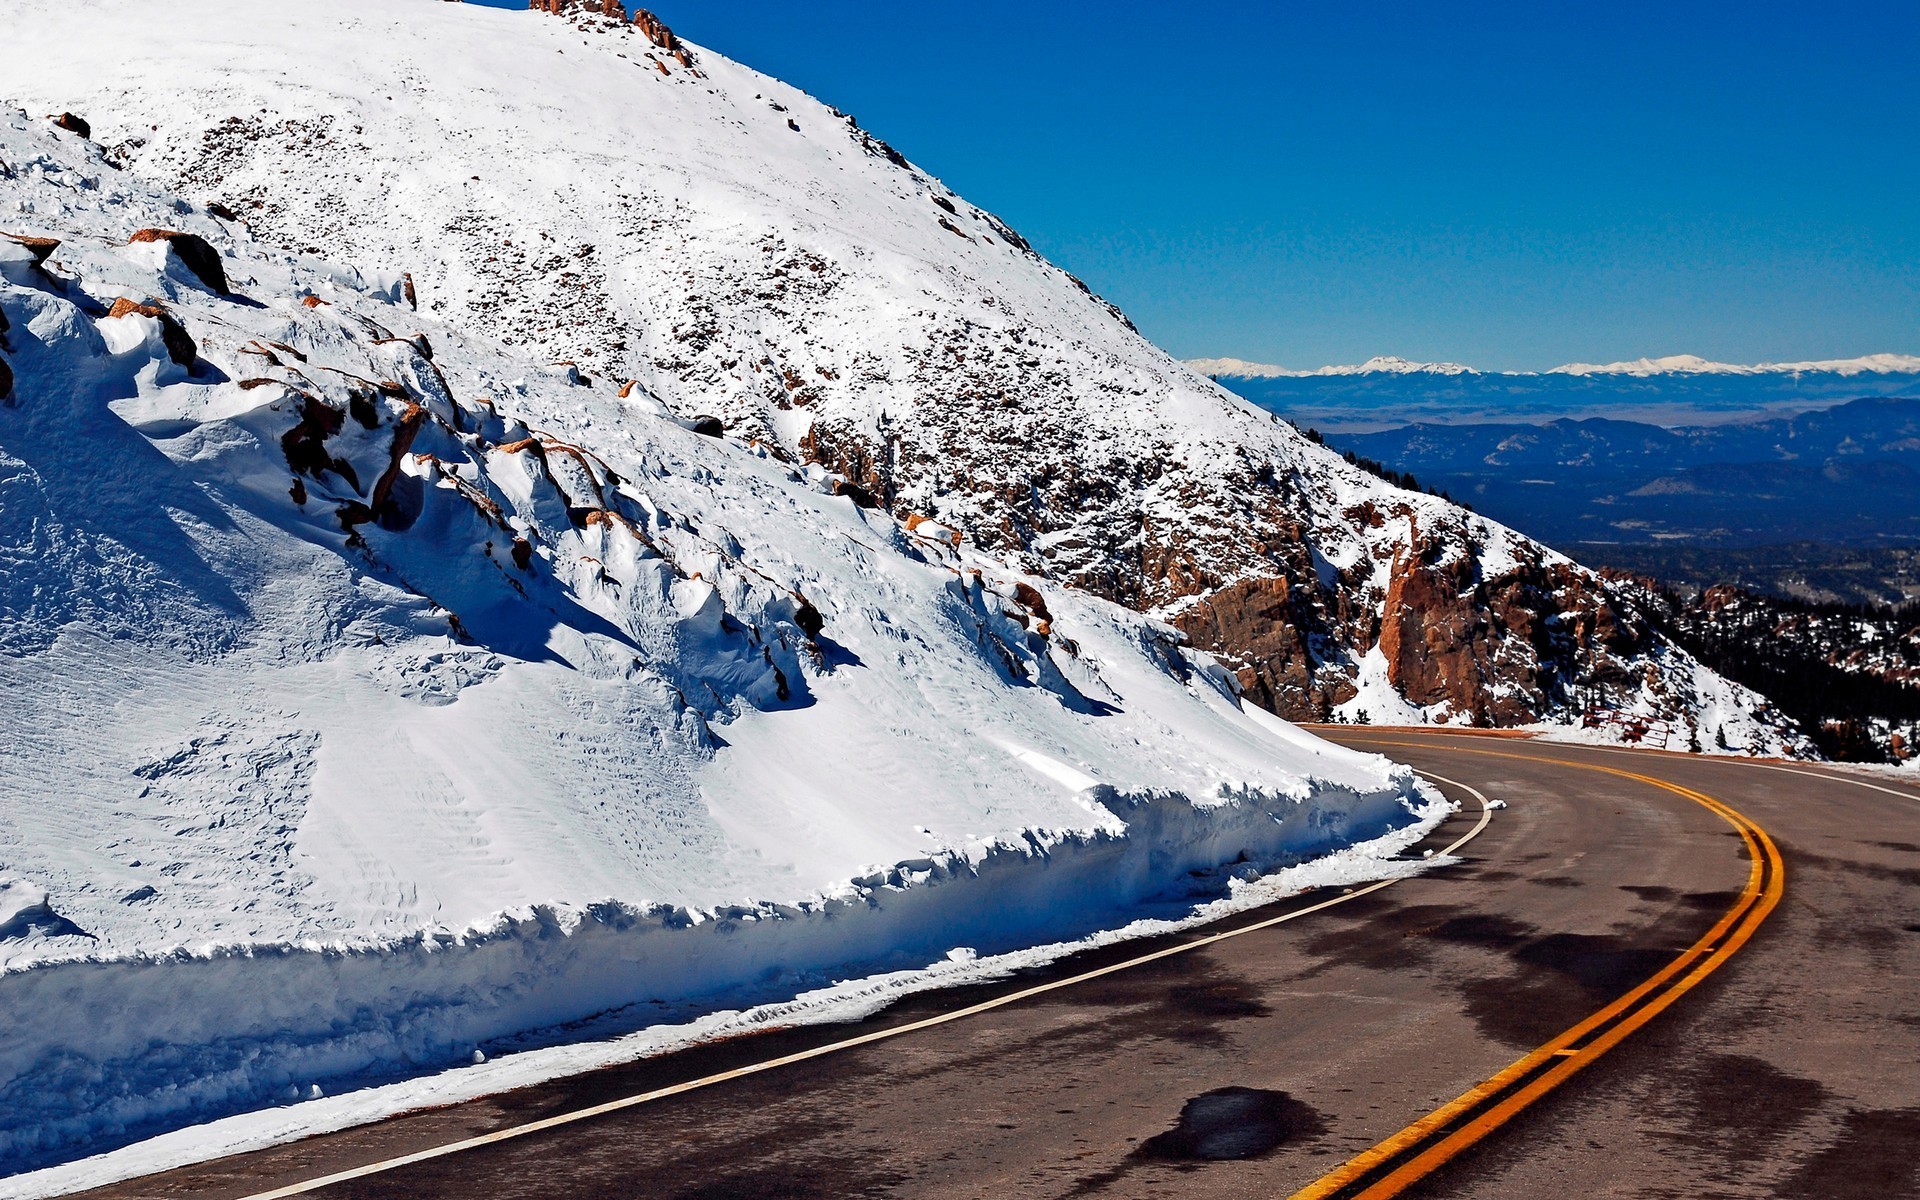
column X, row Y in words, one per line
column 1265, row 636
column 71, row 123
column 655, row 30
column 194, row 253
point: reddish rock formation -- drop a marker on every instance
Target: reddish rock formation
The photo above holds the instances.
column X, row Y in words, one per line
column 180, row 347
column 656, row 31
column 195, row 253
column 71, row 123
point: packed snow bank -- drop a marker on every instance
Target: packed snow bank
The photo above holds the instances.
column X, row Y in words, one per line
column 238, row 1028
column 659, row 1028
column 373, row 694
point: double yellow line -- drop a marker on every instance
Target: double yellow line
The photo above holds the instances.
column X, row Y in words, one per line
column 1422, row 1147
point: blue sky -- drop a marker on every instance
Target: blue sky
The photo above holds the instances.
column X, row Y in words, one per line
column 1504, row 184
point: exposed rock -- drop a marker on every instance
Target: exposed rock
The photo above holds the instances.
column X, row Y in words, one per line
column 1035, row 603
column 854, row 492
column 6, row 383
column 656, row 31
column 709, row 426
column 39, row 247
column 180, row 347
column 406, row 290
column 404, row 431
column 71, row 123
column 305, row 445
column 808, row 618
column 195, row 253
column 1255, row 628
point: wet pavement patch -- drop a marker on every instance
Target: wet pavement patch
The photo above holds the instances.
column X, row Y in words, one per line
column 1736, row 1110
column 1872, row 1159
column 1232, row 1123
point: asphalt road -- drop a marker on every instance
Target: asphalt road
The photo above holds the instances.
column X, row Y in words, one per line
column 1257, row 1065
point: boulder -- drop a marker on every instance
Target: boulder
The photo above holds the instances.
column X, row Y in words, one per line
column 709, row 426
column 195, row 253
column 71, row 123
column 180, row 347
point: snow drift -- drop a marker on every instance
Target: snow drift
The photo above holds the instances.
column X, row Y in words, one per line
column 373, row 694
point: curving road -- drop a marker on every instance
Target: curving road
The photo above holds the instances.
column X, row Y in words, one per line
column 1762, row 1050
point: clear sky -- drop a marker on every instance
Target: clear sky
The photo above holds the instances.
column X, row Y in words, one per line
column 1510, row 185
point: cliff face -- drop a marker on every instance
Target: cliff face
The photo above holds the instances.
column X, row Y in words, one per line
column 736, row 249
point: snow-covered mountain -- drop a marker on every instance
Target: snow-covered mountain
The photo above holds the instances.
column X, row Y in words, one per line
column 372, row 693
column 590, row 191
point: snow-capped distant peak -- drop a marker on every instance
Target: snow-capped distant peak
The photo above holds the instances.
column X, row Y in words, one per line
column 1693, row 364
column 1390, row 365
column 1672, row 364
column 1384, row 364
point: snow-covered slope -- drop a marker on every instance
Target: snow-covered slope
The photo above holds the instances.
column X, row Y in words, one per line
column 371, row 694
column 585, row 190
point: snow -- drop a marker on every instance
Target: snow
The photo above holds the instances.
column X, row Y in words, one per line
column 323, row 800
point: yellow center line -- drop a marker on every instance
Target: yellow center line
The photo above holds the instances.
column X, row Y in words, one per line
column 1422, row 1147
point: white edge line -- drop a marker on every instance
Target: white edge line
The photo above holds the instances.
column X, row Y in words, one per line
column 584, row 1114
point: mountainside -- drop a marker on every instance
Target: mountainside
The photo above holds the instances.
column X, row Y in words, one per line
column 372, row 697
column 590, row 190
column 1849, row 674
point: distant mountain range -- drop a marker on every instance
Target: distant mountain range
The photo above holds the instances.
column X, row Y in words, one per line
column 1673, row 364
column 1677, row 390
column 1845, row 475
